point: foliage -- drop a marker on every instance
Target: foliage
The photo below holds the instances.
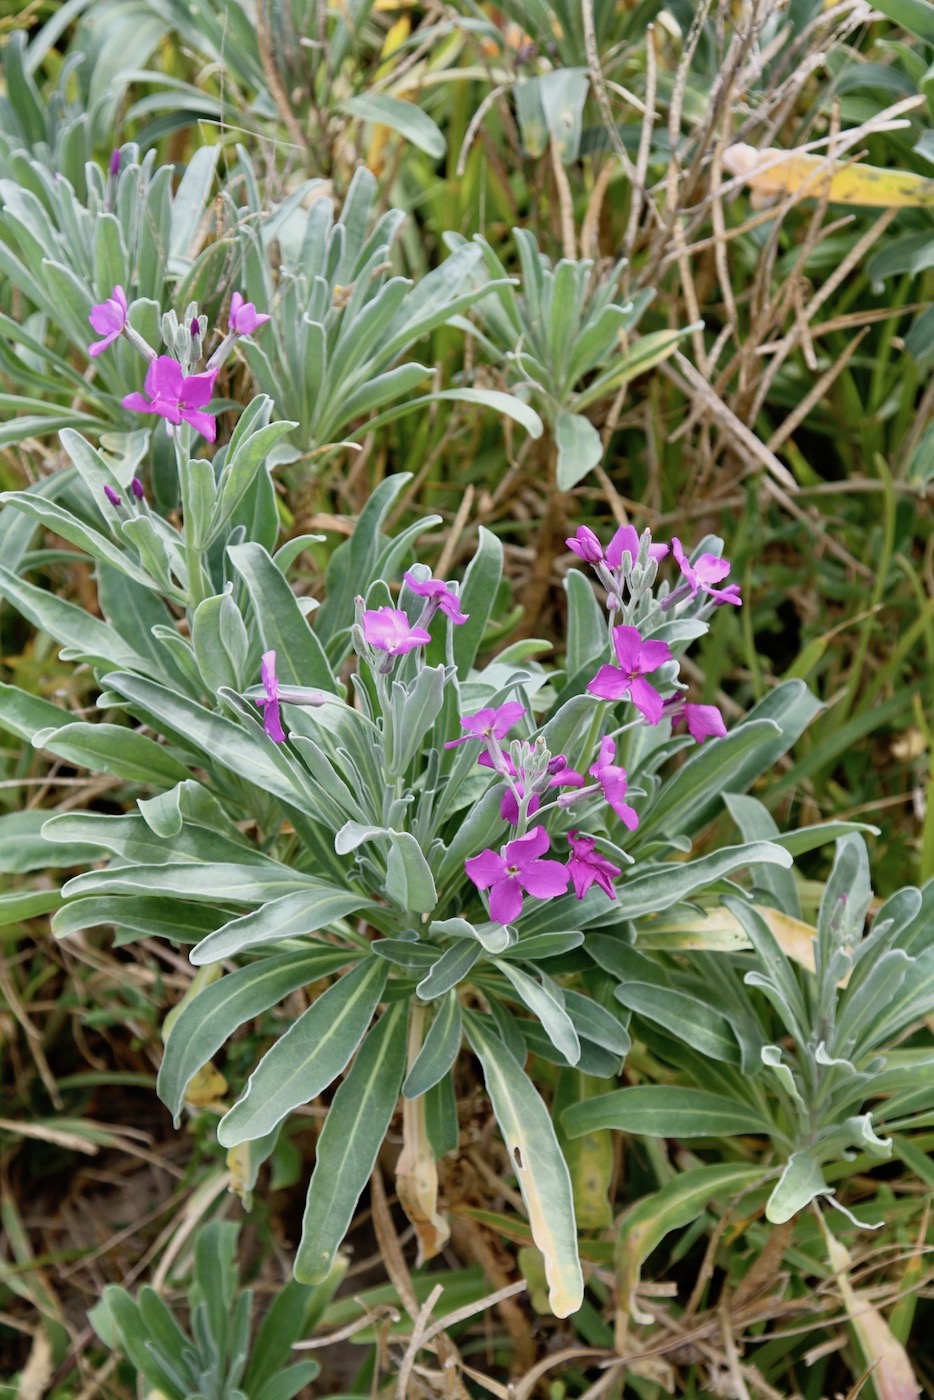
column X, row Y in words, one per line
column 689, row 259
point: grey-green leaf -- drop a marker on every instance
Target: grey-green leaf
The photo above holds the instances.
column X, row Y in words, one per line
column 309, row 1056
column 353, row 1132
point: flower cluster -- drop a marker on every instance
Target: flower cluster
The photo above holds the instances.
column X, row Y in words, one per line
column 539, row 787
column 170, row 390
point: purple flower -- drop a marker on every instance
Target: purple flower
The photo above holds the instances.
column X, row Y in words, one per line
column 244, row 318
column 586, row 545
column 637, row 659
column 489, row 724
column 509, row 806
column 387, row 629
column 438, row 593
column 136, row 486
column 626, row 540
column 587, row 867
column 194, row 330
column 518, row 868
column 704, row 574
column 114, row 164
column 108, row 318
column 272, row 722
column 703, row 721
column 112, row 496
column 613, row 781
column 176, row 398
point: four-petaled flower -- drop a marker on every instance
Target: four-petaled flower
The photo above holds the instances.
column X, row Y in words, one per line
column 108, row 318
column 388, row 629
column 438, row 593
column 626, row 540
column 703, row 721
column 588, row 867
column 244, row 318
column 272, row 721
column 704, row 574
column 613, row 780
column 518, row 868
column 175, row 397
column 637, row 659
column 489, row 723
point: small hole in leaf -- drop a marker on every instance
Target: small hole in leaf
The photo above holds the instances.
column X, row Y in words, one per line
column 517, row 1158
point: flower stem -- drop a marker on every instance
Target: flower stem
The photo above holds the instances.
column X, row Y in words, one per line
column 196, row 583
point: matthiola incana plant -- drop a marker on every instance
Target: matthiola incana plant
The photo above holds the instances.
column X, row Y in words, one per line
column 339, row 796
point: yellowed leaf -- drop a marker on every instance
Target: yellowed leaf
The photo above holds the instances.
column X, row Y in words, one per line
column 771, row 172
column 892, row 1373
column 417, row 1177
column 205, row 1088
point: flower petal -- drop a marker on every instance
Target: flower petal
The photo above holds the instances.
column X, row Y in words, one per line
column 485, row 869
column 506, row 900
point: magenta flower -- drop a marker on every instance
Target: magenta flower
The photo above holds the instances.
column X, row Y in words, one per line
column 114, row 166
column 489, row 724
column 136, row 486
column 272, row 721
column 704, row 574
column 111, row 495
column 108, row 318
column 244, row 318
column 387, row 629
column 626, row 540
column 509, row 806
column 588, row 867
column 176, row 398
column 518, row 868
column 438, row 593
column 586, row 545
column 637, row 659
column 703, row 721
column 612, row 779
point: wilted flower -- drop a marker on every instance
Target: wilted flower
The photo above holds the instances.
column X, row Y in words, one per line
column 272, row 720
column 703, row 721
column 637, row 659
column 613, row 780
column 244, row 318
column 703, row 576
column 518, row 868
column 438, row 593
column 588, row 867
column 175, row 397
column 388, row 629
column 108, row 318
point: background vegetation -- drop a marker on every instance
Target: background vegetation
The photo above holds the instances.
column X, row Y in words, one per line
column 764, row 377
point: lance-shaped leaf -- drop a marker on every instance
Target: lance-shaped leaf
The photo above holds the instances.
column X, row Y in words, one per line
column 677, row 1204
column 300, row 658
column 353, row 1132
column 210, row 1018
column 294, row 915
column 309, row 1056
column 439, row 1051
column 801, row 1182
column 113, row 748
column 452, row 967
column 212, row 881
column 81, row 636
column 555, row 1021
column 665, row 1110
column 694, row 1022
column 540, row 1168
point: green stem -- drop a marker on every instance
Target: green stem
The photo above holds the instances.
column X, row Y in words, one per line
column 196, row 586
